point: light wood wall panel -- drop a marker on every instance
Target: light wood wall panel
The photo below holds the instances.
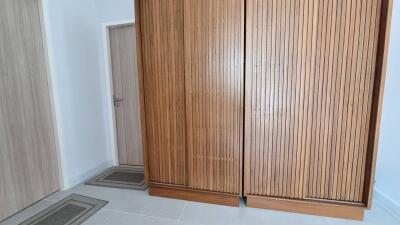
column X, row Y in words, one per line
column 162, row 27
column 28, row 152
column 214, row 72
column 310, row 68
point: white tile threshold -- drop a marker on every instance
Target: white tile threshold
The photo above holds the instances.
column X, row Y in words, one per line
column 133, row 207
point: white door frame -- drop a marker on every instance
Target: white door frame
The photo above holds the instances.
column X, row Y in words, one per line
column 109, row 82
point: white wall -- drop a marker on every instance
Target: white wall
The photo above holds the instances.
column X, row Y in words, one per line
column 73, row 42
column 74, row 30
column 112, row 10
column 109, row 11
column 388, row 167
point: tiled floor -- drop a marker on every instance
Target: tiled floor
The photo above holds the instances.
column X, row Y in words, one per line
column 130, row 207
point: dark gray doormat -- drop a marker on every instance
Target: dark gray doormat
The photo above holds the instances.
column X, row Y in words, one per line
column 127, row 177
column 73, row 210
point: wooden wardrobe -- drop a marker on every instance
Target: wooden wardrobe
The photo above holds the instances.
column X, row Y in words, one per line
column 192, row 97
column 278, row 101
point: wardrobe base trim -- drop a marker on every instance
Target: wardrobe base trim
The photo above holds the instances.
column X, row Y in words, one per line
column 183, row 193
column 307, row 207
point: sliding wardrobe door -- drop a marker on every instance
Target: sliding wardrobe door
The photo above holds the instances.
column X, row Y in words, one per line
column 162, row 39
column 312, row 86
column 193, row 94
column 214, row 60
column 28, row 158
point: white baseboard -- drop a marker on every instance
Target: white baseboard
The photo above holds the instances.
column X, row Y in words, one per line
column 85, row 175
column 387, row 203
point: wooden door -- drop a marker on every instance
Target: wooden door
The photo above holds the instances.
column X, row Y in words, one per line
column 310, row 72
column 28, row 158
column 214, row 62
column 126, row 94
column 162, row 29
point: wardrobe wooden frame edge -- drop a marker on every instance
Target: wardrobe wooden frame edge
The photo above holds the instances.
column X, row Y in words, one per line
column 377, row 99
column 140, row 74
column 319, row 208
column 185, row 193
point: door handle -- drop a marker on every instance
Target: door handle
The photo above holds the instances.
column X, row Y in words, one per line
column 117, row 101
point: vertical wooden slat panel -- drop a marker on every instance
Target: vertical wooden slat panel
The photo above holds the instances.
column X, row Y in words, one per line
column 294, row 100
column 164, row 89
column 366, row 18
column 214, row 61
column 331, row 61
column 309, row 78
column 353, row 158
column 373, row 56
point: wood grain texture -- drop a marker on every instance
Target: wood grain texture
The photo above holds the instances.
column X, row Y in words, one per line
column 313, row 77
column 377, row 101
column 28, row 157
column 193, row 59
column 309, row 84
column 336, row 210
column 189, row 194
column 162, row 52
column 140, row 75
column 125, row 87
column 214, row 60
